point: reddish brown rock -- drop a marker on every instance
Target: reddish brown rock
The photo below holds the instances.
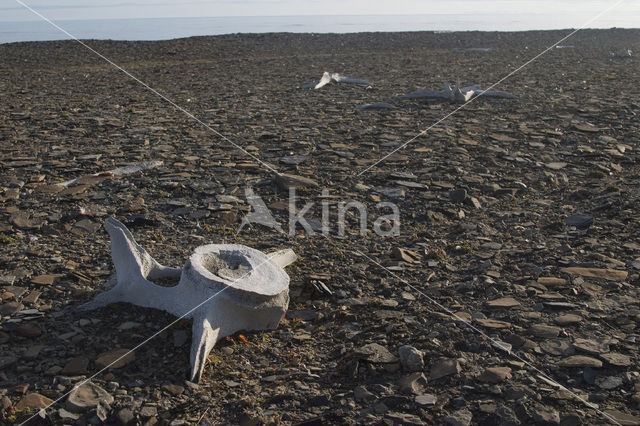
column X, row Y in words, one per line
column 33, row 401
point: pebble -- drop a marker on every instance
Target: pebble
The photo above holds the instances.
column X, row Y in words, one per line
column 606, row 274
column 112, row 358
column 568, row 319
column 75, row 366
column 544, row 331
column 458, row 195
column 6, row 360
column 10, row 308
column 67, row 415
column 444, row 367
column 411, row 358
column 148, row 411
column 413, row 383
column 557, row 347
column 33, row 401
column 546, row 416
column 609, row 382
column 376, row 353
column 174, row 390
column 579, row 221
column 504, row 302
column 495, row 374
column 617, row 359
column 125, row 417
column 426, row 400
column 591, row 346
column 29, row 330
column 624, row 419
column 361, row 394
column 461, row 417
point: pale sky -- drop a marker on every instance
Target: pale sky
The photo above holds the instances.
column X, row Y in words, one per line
column 11, row 10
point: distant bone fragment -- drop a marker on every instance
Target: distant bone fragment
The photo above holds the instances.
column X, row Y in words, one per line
column 472, row 49
column 457, row 94
column 625, row 53
column 328, row 77
column 120, row 171
column 224, row 288
column 377, row 106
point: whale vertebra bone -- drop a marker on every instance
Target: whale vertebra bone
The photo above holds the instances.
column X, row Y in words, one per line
column 223, row 288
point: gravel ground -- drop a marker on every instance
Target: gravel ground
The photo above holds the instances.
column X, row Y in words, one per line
column 505, row 292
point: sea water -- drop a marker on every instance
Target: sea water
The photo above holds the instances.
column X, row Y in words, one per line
column 168, row 28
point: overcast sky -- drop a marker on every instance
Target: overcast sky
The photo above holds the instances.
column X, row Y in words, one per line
column 10, row 10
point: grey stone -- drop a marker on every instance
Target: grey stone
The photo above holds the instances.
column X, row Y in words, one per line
column 411, row 358
column 361, row 394
column 7, row 360
column 426, row 400
column 376, row 353
column 148, row 411
column 125, row 417
column 458, row 195
column 546, row 416
column 413, row 383
column 609, row 382
column 461, row 417
column 495, row 374
column 557, row 347
column 579, row 221
column 444, row 367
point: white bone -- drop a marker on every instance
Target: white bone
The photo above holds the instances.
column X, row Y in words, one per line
column 328, row 77
column 224, row 288
column 457, row 94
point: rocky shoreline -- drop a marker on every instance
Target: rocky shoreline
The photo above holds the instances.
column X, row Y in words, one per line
column 510, row 295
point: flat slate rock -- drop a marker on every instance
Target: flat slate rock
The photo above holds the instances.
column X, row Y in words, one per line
column 10, row 308
column 443, row 368
column 590, row 346
column 503, row 302
column 623, row 419
column 607, row 274
column 579, row 221
column 495, row 374
column 617, row 359
column 287, row 181
column 552, row 281
column 580, row 361
column 492, row 323
column 557, row 347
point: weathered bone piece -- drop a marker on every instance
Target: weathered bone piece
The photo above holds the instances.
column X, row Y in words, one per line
column 457, row 94
column 328, row 77
column 624, row 53
column 224, row 288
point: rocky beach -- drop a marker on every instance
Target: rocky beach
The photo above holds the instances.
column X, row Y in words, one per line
column 508, row 294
